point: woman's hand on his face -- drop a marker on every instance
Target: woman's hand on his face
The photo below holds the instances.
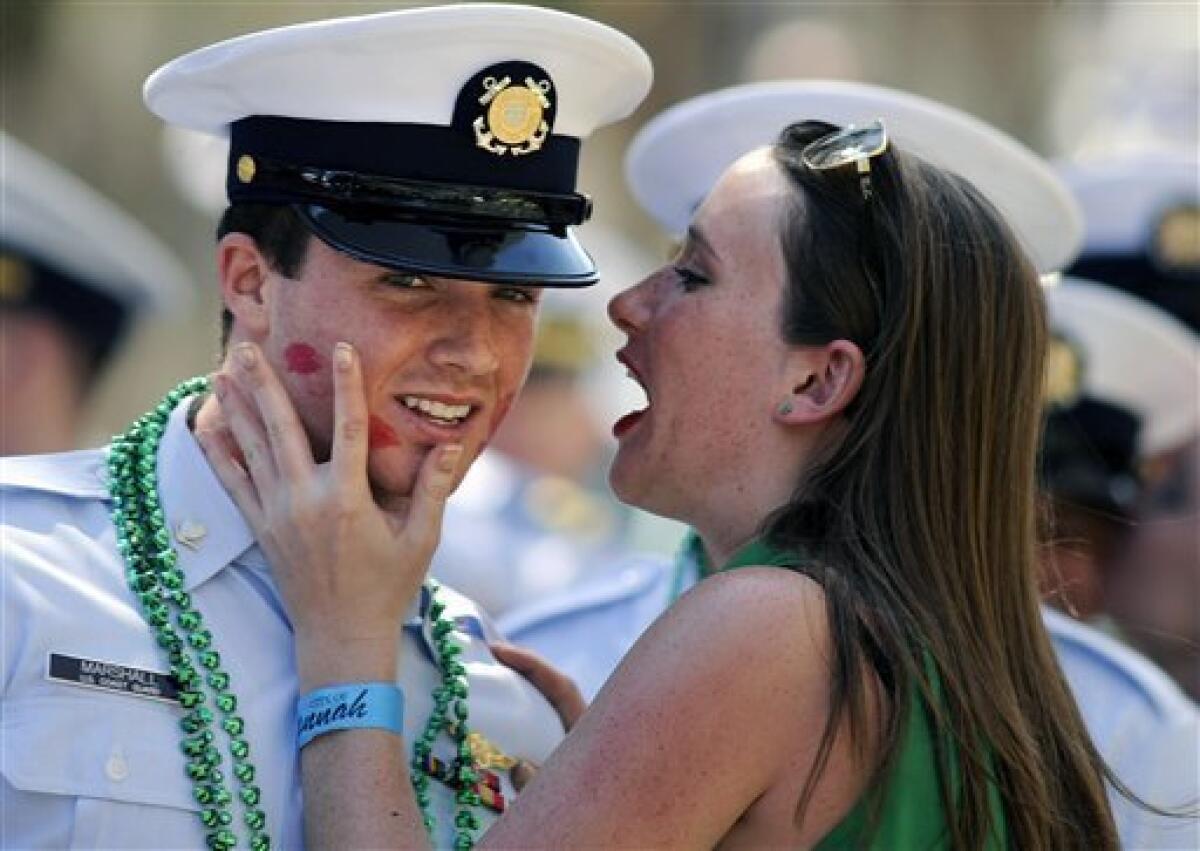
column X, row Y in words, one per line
column 347, row 568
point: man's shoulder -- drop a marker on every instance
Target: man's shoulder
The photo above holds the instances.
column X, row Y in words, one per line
column 624, row 590
column 82, row 474
column 1120, row 677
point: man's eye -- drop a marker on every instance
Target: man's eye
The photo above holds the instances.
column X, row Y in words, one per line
column 403, row 280
column 521, row 295
column 689, row 279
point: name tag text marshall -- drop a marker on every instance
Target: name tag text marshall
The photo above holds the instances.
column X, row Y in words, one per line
column 110, row 676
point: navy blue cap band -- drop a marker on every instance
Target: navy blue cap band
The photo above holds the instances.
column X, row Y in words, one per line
column 411, row 151
column 1174, row 291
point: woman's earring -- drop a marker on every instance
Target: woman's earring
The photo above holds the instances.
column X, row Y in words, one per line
column 785, row 408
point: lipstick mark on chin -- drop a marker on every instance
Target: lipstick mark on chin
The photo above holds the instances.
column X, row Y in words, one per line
column 380, row 435
column 302, row 359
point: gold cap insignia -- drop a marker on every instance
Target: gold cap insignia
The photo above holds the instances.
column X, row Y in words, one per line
column 246, row 168
column 515, row 120
column 1063, row 383
column 1176, row 246
column 15, row 280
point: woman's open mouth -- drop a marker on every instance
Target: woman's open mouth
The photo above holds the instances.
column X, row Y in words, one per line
column 629, row 421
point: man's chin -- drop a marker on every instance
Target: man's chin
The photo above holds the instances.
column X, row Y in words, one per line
column 392, row 473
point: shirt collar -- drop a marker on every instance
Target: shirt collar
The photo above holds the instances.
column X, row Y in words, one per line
column 199, row 509
column 207, row 530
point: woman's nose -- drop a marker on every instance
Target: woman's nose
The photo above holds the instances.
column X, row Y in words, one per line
column 628, row 309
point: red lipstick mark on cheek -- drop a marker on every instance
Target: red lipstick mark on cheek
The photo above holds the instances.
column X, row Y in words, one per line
column 380, row 435
column 302, row 359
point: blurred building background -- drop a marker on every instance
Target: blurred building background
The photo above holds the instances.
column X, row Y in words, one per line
column 1068, row 78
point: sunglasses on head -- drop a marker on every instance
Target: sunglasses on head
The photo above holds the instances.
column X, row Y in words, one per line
column 858, row 145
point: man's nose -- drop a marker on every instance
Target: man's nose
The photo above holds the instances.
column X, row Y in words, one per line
column 468, row 343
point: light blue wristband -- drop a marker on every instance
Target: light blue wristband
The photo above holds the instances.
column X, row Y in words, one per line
column 349, row 706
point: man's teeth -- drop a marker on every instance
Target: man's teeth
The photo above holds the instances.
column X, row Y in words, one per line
column 437, row 410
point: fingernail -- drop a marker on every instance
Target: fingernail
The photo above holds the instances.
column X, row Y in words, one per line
column 245, row 354
column 448, row 460
column 343, row 356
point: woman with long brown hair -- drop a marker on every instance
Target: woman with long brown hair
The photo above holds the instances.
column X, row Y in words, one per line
column 843, row 368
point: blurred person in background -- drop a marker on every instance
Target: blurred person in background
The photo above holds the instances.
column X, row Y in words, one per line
column 1143, row 237
column 1088, row 472
column 1122, row 386
column 528, row 520
column 1145, row 729
column 76, row 276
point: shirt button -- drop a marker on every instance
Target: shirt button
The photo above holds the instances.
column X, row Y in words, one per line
column 190, row 534
column 116, row 768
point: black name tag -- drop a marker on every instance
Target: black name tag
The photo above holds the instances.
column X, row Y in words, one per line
column 109, row 676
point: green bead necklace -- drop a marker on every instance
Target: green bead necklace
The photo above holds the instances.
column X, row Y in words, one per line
column 158, row 583
column 156, row 580
column 451, row 694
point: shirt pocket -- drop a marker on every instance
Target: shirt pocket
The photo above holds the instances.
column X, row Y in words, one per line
column 113, row 762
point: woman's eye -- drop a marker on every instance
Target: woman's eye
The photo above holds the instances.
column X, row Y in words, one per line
column 689, row 279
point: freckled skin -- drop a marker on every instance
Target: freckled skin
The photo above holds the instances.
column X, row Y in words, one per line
column 711, row 358
column 438, row 336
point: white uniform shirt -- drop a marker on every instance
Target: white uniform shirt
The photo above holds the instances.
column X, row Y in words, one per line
column 511, row 536
column 1146, row 729
column 101, row 768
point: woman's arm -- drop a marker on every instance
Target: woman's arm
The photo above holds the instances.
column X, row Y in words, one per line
column 718, row 700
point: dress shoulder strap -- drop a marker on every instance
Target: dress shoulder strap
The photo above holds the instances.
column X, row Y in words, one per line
column 758, row 552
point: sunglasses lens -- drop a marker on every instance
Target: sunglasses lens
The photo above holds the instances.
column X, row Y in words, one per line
column 846, row 146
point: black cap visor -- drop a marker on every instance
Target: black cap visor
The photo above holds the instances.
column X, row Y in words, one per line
column 462, row 249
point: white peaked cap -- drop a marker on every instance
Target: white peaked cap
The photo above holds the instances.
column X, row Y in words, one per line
column 441, row 141
column 677, row 157
column 401, row 67
column 1134, row 355
column 54, row 218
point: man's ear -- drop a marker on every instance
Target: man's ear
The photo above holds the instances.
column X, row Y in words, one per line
column 823, row 381
column 246, row 282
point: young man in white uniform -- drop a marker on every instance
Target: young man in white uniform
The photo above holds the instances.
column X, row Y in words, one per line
column 403, row 183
